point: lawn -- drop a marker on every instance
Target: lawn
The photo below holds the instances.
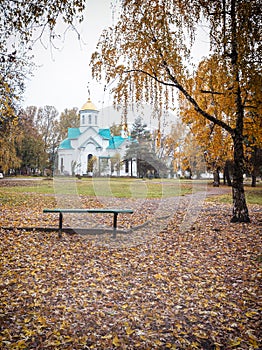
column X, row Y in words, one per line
column 117, row 187
column 194, row 284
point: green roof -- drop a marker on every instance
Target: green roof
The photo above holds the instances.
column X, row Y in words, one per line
column 65, row 144
column 73, row 133
column 115, row 142
column 105, row 133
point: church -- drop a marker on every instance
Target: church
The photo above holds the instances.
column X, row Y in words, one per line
column 92, row 151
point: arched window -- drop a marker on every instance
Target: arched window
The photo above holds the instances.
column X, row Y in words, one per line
column 62, row 165
column 96, row 119
column 90, row 163
column 83, row 119
column 90, row 119
column 126, row 166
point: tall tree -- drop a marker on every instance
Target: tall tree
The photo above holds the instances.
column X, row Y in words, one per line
column 47, row 125
column 148, row 51
column 139, row 131
column 30, row 148
column 214, row 98
column 69, row 118
column 22, row 23
column 143, row 151
column 10, row 135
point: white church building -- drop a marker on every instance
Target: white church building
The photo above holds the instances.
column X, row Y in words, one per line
column 89, row 150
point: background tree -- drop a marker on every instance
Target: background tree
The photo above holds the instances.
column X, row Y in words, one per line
column 69, row 118
column 30, row 148
column 116, row 130
column 47, row 125
column 173, row 144
column 148, row 51
column 139, row 131
column 115, row 163
column 22, row 23
column 10, row 135
column 142, row 150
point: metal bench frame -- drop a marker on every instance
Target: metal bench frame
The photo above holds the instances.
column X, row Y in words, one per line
column 61, row 211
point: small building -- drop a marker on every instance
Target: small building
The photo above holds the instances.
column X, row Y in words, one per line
column 90, row 150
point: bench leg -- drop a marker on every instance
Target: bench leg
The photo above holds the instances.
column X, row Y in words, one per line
column 115, row 224
column 60, row 225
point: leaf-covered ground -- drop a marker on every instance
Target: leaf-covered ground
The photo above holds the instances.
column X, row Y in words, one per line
column 198, row 288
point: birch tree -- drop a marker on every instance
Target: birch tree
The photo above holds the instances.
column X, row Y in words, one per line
column 148, row 51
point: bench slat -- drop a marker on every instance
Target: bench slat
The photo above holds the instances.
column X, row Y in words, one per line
column 69, row 210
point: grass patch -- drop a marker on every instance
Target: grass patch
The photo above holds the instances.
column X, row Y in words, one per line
column 253, row 196
column 132, row 188
column 108, row 187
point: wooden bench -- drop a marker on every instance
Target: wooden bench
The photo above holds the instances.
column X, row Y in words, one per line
column 61, row 211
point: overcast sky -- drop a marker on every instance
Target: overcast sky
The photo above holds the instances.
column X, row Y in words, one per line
column 62, row 75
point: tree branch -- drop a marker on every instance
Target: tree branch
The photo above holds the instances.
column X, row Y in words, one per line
column 211, row 92
column 186, row 94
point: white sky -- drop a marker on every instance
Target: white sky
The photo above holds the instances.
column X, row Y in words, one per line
column 62, row 75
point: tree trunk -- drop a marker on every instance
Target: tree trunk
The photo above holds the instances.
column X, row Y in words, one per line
column 240, row 210
column 255, row 166
column 216, row 182
column 227, row 179
column 254, row 180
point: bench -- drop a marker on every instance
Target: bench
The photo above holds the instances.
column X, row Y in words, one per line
column 61, row 211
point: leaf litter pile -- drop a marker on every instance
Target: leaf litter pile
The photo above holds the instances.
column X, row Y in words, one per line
column 198, row 288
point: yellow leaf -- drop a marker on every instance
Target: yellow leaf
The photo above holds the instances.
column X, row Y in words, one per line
column 201, row 335
column 235, row 342
column 142, row 337
column 21, row 344
column 108, row 336
column 250, row 334
column 158, row 342
column 254, row 343
column 129, row 330
column 158, row 276
column 116, row 341
column 251, row 314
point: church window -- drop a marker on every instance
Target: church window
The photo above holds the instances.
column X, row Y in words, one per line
column 90, row 163
column 62, row 165
column 83, row 119
column 96, row 119
column 126, row 166
column 90, row 119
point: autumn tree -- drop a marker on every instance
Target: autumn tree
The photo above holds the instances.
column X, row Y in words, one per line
column 10, row 135
column 116, row 129
column 149, row 49
column 69, row 118
column 172, row 145
column 47, row 125
column 22, row 24
column 30, row 147
column 215, row 142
